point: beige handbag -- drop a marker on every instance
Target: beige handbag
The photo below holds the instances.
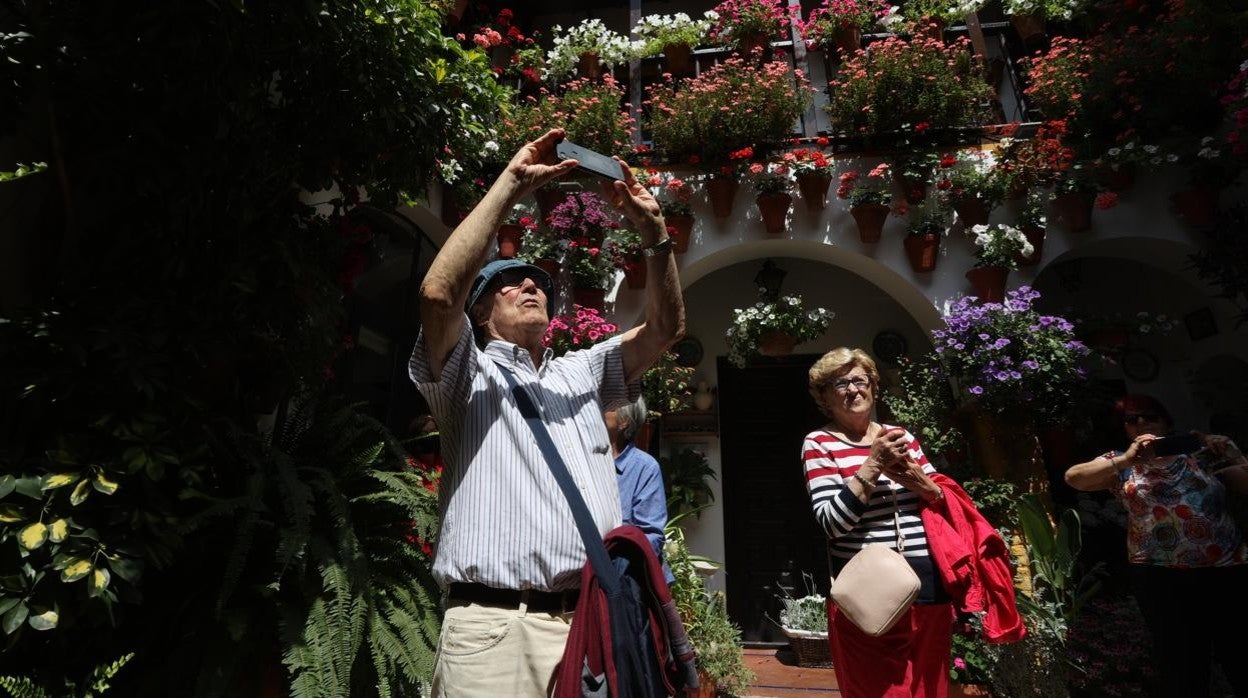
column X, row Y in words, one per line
column 877, row 585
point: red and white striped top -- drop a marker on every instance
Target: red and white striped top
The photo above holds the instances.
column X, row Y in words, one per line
column 829, row 461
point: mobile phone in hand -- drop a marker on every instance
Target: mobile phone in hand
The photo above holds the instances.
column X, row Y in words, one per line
column 589, row 160
column 1178, row 444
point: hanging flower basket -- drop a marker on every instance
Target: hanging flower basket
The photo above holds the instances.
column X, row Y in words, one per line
column 814, row 190
column 595, row 298
column 774, row 209
column 681, row 230
column 922, row 250
column 1034, row 235
column 1197, row 206
column 776, row 343
column 509, row 235
column 721, row 191
column 676, row 59
column 1074, row 211
column 870, row 219
column 988, row 282
column 971, row 211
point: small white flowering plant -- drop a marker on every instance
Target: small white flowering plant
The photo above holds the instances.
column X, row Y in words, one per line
column 1064, row 10
column 1134, row 153
column 590, row 36
column 654, row 32
column 807, row 614
column 785, row 314
column 997, row 245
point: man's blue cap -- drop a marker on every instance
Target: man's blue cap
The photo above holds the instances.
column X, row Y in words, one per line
column 498, row 266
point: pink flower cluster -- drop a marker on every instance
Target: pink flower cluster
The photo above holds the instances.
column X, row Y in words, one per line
column 738, row 18
column 580, row 329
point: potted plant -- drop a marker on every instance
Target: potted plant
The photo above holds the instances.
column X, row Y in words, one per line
column 915, row 170
column 1119, row 165
column 580, row 329
column 928, row 226
column 814, row 171
column 899, row 85
column 772, row 184
column 997, row 248
column 1031, row 220
column 583, row 48
column 1034, row 162
column 588, row 111
column 542, row 249
column 1030, row 16
column 520, row 220
column 1058, row 77
column 742, row 104
column 837, row 25
column 528, row 63
column 969, row 185
column 674, row 36
column 582, row 218
column 1210, row 168
column 1076, row 191
column 927, row 19
column 686, row 476
column 623, row 250
column 674, row 196
column 589, row 271
column 773, row 328
column 869, row 198
column 748, row 25
column 804, row 621
column 666, row 387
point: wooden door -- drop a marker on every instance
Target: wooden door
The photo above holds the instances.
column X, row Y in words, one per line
column 770, row 534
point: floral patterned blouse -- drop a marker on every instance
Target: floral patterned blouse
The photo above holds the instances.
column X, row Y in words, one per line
column 1177, row 515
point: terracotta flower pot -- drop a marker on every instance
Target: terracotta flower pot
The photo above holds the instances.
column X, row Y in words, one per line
column 1030, row 28
column 595, row 298
column 1121, row 180
column 776, row 343
column 870, row 219
column 774, row 209
column 1074, row 211
column 721, row 191
column 988, row 282
column 588, row 66
column 922, row 251
column 676, row 59
column 1197, row 206
column 814, row 190
column 681, row 230
column 635, row 273
column 972, row 212
column 846, row 39
column 1034, row 235
column 509, row 235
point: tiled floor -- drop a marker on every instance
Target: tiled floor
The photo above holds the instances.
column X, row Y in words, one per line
column 778, row 676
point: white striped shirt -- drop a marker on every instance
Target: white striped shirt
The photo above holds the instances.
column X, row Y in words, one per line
column 829, row 461
column 505, row 522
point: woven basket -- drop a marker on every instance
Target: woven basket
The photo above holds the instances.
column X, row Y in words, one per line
column 811, row 648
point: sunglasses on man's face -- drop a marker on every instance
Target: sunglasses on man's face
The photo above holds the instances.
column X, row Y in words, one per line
column 1135, row 417
column 514, row 278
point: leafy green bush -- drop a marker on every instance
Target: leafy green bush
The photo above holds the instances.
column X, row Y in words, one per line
column 685, row 474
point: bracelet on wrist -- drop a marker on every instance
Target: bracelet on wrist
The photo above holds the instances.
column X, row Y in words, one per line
column 865, row 482
column 657, row 248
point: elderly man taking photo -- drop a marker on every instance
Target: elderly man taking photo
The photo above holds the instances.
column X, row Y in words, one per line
column 508, row 550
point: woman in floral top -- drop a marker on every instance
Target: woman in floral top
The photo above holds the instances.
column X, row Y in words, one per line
column 1189, row 563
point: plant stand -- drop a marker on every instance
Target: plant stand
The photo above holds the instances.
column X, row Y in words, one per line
column 811, row 648
column 1197, row 206
column 509, row 235
column 721, row 191
column 774, row 209
column 1074, row 211
column 922, row 251
column 681, row 230
column 814, row 190
column 989, row 283
column 776, row 343
column 870, row 219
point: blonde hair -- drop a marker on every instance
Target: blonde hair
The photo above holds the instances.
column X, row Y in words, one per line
column 836, row 363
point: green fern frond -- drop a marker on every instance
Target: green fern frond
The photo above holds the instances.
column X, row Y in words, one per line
column 22, row 687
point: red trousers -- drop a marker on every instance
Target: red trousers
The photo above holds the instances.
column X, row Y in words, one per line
column 909, row 661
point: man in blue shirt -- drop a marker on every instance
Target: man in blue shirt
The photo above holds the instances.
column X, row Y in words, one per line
column 642, row 500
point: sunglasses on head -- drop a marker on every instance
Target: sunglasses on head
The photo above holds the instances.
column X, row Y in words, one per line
column 1134, row 417
column 514, row 278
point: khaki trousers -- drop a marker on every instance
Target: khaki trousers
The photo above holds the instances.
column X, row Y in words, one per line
column 489, row 652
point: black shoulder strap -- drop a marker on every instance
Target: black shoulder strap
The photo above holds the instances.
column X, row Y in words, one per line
column 594, row 547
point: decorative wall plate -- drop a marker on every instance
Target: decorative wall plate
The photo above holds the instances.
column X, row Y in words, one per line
column 1139, row 364
column 688, row 352
column 889, row 346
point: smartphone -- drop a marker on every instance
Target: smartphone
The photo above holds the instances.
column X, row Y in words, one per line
column 589, row 160
column 1176, row 445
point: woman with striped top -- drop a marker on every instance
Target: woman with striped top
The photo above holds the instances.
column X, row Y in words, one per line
column 858, row 473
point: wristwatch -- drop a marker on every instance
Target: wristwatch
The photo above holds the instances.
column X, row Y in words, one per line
column 657, row 248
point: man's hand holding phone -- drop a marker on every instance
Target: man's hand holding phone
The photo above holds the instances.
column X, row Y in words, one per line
column 589, row 160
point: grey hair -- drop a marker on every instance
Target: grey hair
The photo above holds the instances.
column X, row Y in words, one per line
column 631, row 417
